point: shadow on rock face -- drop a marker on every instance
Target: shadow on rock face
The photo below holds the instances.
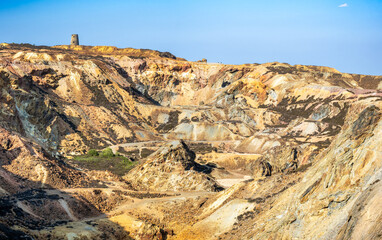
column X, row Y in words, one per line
column 172, row 168
column 366, row 121
column 31, row 205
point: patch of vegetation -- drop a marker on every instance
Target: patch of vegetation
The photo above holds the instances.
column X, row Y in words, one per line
column 92, row 153
column 107, row 153
column 105, row 160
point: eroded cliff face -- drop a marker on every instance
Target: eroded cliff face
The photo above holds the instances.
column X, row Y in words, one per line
column 295, row 148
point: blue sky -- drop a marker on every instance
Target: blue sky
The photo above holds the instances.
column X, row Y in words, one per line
column 312, row 32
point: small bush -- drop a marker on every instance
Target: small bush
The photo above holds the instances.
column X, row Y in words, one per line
column 92, row 153
column 105, row 160
column 107, row 153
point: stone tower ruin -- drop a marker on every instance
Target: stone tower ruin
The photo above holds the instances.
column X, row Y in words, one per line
column 74, row 41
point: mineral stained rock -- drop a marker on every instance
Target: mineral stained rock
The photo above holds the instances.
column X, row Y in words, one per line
column 171, row 168
column 254, row 151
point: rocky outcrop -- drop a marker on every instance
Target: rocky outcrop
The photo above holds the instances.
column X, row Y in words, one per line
column 28, row 174
column 92, row 97
column 330, row 200
column 24, row 164
column 296, row 147
column 172, row 168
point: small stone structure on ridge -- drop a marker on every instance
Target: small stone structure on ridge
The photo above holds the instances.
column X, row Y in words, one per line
column 74, row 41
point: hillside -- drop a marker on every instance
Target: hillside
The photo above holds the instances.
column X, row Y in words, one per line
column 254, row 151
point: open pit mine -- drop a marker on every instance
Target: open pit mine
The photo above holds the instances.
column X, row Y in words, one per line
column 109, row 143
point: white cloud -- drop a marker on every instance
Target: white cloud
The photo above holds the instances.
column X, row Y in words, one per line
column 344, row 5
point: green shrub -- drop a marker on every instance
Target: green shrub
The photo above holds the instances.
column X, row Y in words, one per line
column 107, row 152
column 105, row 160
column 93, row 153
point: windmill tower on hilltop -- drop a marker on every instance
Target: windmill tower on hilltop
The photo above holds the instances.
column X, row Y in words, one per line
column 74, row 41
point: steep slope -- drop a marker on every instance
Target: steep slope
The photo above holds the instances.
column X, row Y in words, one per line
column 68, row 103
column 297, row 148
column 331, row 200
column 87, row 100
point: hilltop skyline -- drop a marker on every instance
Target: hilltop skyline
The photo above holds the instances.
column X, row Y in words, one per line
column 338, row 34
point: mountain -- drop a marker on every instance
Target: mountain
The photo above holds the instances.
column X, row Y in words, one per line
column 101, row 142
